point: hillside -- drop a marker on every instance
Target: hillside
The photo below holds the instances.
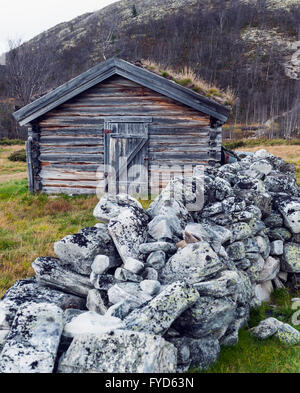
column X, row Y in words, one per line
column 242, row 44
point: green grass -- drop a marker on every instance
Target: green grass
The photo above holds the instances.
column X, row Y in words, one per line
column 235, row 144
column 30, row 224
column 252, row 355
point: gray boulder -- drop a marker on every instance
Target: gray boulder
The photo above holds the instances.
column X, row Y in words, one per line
column 119, row 352
column 165, row 228
column 266, row 328
column 51, row 272
column 32, row 343
column 30, row 291
column 192, row 264
column 110, row 206
column 128, row 231
column 78, row 251
column 289, row 207
column 127, row 291
column 270, row 270
column 148, row 248
column 158, row 315
column 291, row 258
column 209, row 317
column 288, row 335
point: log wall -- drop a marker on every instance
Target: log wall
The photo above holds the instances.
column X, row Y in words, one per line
column 72, row 143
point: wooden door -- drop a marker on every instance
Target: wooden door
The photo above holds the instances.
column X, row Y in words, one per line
column 126, row 155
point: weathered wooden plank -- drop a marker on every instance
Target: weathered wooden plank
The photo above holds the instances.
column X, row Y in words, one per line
column 57, row 141
column 73, row 158
column 128, row 119
column 71, row 175
column 70, row 183
column 70, row 149
column 82, row 167
column 69, row 190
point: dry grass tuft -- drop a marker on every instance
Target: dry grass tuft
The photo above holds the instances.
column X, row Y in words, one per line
column 188, row 78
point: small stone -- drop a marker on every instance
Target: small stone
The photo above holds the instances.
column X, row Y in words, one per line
column 95, row 302
column 127, row 291
column 133, row 265
column 236, row 251
column 125, row 275
column 279, row 234
column 103, row 263
column 150, row 274
column 156, row 260
column 151, row 287
column 274, row 220
column 283, row 276
column 91, row 323
column 240, row 231
column 270, row 270
column 276, row 247
column 148, row 248
column 121, row 310
column 262, row 166
column 189, row 238
column 266, row 328
column 102, row 282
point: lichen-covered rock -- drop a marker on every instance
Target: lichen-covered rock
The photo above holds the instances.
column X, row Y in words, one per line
column 51, row 272
column 128, row 231
column 199, row 353
column 288, row 335
column 78, row 251
column 281, row 183
column 209, row 317
column 110, row 206
column 30, row 291
column 225, row 285
column 158, row 315
column 264, row 246
column 279, row 234
column 91, row 323
column 291, row 258
column 262, row 166
column 32, row 343
column 102, row 282
column 236, row 251
column 289, row 207
column 240, row 231
column 266, row 328
column 121, row 310
column 192, row 264
column 165, row 228
column 119, row 352
column 274, row 220
column 270, row 270
column 169, row 207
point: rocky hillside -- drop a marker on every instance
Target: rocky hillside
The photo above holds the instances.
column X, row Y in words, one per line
column 243, row 44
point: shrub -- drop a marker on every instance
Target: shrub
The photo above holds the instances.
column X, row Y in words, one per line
column 19, row 155
column 11, row 142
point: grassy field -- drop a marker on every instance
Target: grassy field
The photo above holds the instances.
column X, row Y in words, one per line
column 30, row 224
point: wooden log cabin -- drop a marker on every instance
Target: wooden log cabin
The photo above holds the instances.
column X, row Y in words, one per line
column 114, row 110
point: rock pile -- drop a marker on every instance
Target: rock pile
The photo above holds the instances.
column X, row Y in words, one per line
column 159, row 290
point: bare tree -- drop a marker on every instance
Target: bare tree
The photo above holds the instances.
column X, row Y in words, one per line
column 27, row 70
